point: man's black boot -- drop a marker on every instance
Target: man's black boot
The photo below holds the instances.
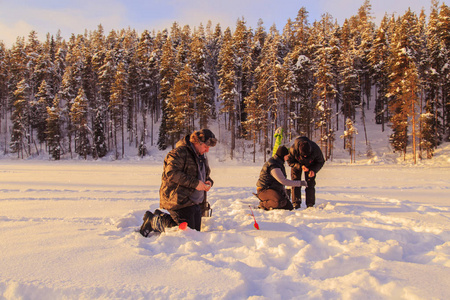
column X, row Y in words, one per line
column 146, row 227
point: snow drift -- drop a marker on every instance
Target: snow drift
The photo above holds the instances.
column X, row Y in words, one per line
column 379, row 231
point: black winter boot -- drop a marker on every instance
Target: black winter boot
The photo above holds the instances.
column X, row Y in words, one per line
column 158, row 222
column 296, row 205
column 146, row 227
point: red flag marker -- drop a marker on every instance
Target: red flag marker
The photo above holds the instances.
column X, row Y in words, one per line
column 183, row 226
column 256, row 224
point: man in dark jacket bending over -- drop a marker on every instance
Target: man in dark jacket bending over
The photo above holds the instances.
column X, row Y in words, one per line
column 305, row 156
column 185, row 181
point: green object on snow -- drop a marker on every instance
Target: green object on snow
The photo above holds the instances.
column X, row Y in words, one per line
column 278, row 138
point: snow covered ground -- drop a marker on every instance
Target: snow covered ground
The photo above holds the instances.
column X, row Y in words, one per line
column 380, row 230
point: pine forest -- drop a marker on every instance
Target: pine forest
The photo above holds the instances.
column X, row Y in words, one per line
column 97, row 93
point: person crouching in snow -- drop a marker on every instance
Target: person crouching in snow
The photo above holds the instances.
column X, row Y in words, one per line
column 272, row 180
column 185, row 181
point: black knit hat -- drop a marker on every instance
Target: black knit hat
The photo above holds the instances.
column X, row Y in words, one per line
column 282, row 152
column 204, row 136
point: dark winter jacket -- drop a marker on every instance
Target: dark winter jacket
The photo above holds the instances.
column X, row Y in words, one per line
column 314, row 161
column 180, row 176
column 266, row 180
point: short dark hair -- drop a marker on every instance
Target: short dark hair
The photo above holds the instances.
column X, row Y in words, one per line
column 282, row 152
column 304, row 148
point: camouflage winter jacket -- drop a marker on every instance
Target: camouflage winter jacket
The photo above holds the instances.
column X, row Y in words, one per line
column 180, row 176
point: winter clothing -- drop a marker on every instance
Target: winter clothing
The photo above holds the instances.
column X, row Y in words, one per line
column 312, row 158
column 205, row 136
column 185, row 169
column 271, row 199
column 267, row 181
column 146, row 227
column 156, row 222
column 191, row 215
column 305, row 152
column 181, row 176
column 271, row 189
column 304, row 148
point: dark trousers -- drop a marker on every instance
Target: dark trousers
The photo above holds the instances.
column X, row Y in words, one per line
column 191, row 214
column 310, row 190
column 272, row 199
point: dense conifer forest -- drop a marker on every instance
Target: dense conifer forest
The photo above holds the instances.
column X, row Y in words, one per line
column 97, row 93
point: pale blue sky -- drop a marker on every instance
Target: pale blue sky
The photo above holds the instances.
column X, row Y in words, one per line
column 19, row 17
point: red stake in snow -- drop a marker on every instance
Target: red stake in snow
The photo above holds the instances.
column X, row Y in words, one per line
column 256, row 224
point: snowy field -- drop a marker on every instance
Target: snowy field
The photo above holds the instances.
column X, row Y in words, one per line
column 380, row 230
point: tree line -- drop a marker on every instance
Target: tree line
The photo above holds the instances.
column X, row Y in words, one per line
column 95, row 94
